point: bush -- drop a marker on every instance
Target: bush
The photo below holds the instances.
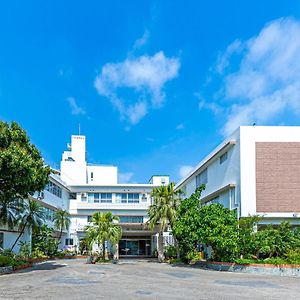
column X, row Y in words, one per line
column 24, row 249
column 293, row 256
column 275, row 261
column 170, row 251
column 193, row 256
column 6, row 261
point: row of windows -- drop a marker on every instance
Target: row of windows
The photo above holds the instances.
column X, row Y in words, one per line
column 125, row 219
column 54, row 189
column 69, row 242
column 99, row 197
column 131, row 219
column 49, row 213
column 201, row 178
column 107, row 197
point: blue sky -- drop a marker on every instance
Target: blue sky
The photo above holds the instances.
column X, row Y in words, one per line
column 155, row 85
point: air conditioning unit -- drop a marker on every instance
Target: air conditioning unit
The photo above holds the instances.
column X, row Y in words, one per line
column 41, row 195
column 83, row 195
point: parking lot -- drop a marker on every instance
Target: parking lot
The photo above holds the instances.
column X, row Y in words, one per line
column 134, row 279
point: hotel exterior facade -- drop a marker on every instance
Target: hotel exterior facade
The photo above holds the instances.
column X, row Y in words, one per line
column 95, row 188
column 255, row 171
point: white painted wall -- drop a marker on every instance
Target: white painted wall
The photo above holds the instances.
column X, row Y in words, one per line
column 102, row 175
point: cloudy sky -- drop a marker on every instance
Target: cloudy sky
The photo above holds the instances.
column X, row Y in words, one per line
column 154, row 85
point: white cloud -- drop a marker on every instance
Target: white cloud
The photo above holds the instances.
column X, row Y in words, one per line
column 145, row 76
column 141, row 41
column 185, row 170
column 180, row 126
column 75, row 109
column 265, row 85
column 125, row 177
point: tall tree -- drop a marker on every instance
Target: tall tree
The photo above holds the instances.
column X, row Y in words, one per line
column 61, row 222
column 32, row 216
column 22, row 171
column 162, row 213
column 187, row 224
column 104, row 228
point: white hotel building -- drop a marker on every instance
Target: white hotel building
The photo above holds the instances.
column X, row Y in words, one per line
column 256, row 170
column 96, row 188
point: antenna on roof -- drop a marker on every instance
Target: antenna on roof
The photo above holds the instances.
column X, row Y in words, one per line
column 79, row 129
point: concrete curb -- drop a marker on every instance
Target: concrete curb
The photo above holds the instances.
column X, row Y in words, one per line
column 264, row 269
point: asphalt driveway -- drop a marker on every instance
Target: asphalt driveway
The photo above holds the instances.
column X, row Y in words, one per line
column 133, row 279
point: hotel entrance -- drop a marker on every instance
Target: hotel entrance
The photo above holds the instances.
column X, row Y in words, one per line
column 135, row 247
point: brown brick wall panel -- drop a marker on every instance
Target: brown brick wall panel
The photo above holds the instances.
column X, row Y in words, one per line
column 277, row 177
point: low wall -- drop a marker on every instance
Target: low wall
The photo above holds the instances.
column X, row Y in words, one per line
column 6, row 270
column 266, row 269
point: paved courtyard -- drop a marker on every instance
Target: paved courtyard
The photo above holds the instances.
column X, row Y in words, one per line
column 133, row 279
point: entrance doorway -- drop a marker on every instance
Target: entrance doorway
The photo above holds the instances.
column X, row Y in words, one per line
column 135, row 247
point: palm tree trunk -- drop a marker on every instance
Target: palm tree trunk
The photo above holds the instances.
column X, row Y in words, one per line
column 59, row 238
column 22, row 231
column 160, row 250
column 103, row 250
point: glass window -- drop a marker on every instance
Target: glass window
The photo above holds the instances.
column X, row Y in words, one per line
column 96, row 197
column 69, row 242
column 133, row 198
column 201, row 178
column 89, row 218
column 54, row 189
column 124, row 198
column 223, row 157
column 131, row 219
column 106, row 197
column 90, row 197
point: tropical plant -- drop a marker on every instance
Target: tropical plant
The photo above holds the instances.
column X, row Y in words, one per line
column 32, row 216
column 61, row 222
column 22, row 171
column 104, row 228
column 187, row 223
column 218, row 229
column 162, row 213
column 43, row 241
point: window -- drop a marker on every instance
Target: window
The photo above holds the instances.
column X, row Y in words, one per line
column 90, row 197
column 48, row 213
column 163, row 181
column 106, row 197
column 133, row 198
column 69, row 242
column 54, row 189
column 92, row 176
column 127, row 198
column 1, row 240
column 89, row 219
column 96, row 197
column 131, row 219
column 223, row 157
column 201, row 178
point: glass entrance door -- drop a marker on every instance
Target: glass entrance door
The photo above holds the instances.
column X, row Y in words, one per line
column 134, row 247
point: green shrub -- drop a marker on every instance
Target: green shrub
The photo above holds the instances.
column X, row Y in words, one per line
column 245, row 261
column 193, row 256
column 38, row 254
column 293, row 256
column 170, row 251
column 5, row 261
column 275, row 261
column 24, row 249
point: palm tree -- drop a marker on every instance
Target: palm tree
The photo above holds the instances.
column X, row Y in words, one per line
column 61, row 222
column 163, row 213
column 9, row 210
column 103, row 228
column 32, row 216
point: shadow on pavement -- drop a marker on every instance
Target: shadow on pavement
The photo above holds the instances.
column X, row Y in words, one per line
column 43, row 266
